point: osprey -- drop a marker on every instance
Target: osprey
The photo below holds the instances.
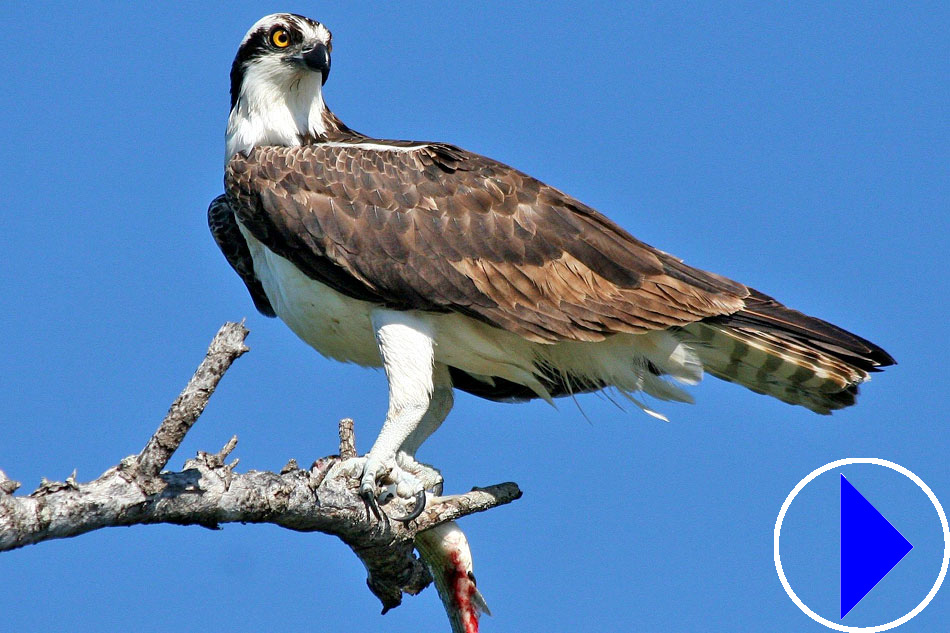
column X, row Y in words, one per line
column 453, row 271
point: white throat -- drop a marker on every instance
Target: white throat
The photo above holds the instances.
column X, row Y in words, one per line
column 276, row 106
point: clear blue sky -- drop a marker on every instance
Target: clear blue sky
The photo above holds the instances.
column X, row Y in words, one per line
column 802, row 150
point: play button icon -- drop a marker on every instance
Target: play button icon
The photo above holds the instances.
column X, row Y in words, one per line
column 870, row 547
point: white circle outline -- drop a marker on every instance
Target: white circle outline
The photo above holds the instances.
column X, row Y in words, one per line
column 920, row 484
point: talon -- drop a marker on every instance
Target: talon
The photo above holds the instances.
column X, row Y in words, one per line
column 416, row 510
column 367, row 493
column 372, row 507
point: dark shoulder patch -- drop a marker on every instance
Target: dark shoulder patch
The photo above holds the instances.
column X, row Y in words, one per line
column 228, row 236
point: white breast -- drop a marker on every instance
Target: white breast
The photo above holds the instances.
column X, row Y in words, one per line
column 341, row 328
column 333, row 324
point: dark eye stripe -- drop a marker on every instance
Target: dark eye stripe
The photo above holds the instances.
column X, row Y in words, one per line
column 255, row 45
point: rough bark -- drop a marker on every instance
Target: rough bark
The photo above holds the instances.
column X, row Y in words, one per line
column 209, row 491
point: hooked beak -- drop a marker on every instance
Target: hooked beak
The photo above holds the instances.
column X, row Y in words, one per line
column 316, row 59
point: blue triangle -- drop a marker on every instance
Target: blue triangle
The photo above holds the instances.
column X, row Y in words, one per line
column 870, row 547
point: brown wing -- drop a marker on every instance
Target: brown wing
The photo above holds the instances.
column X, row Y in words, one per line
column 227, row 235
column 441, row 229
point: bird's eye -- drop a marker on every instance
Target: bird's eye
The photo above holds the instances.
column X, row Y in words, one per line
column 280, row 38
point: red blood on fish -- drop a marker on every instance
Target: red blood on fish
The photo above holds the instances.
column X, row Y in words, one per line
column 462, row 591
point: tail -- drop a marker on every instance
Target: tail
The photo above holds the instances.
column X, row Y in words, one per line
column 783, row 353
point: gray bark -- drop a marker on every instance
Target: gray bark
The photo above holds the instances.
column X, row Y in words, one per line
column 209, row 491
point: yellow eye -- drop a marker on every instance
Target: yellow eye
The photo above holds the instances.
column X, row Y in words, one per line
column 280, row 38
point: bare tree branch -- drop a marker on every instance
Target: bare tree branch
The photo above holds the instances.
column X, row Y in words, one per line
column 226, row 347
column 209, row 492
column 347, row 439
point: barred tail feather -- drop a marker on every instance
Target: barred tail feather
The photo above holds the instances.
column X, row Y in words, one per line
column 783, row 353
column 790, row 372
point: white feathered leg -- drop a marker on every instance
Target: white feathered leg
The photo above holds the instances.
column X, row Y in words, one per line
column 439, row 406
column 408, row 353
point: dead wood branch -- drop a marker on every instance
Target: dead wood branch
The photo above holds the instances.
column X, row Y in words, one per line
column 208, row 492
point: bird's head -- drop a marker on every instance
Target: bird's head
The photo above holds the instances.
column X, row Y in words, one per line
column 281, row 53
column 277, row 84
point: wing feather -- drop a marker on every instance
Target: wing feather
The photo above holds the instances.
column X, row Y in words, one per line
column 227, row 234
column 440, row 229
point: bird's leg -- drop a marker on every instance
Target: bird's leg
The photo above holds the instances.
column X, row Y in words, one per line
column 439, row 406
column 408, row 353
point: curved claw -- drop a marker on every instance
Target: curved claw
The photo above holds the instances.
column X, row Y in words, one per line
column 375, row 509
column 372, row 506
column 416, row 510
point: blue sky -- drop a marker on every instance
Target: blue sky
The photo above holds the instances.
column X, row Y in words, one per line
column 802, row 150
